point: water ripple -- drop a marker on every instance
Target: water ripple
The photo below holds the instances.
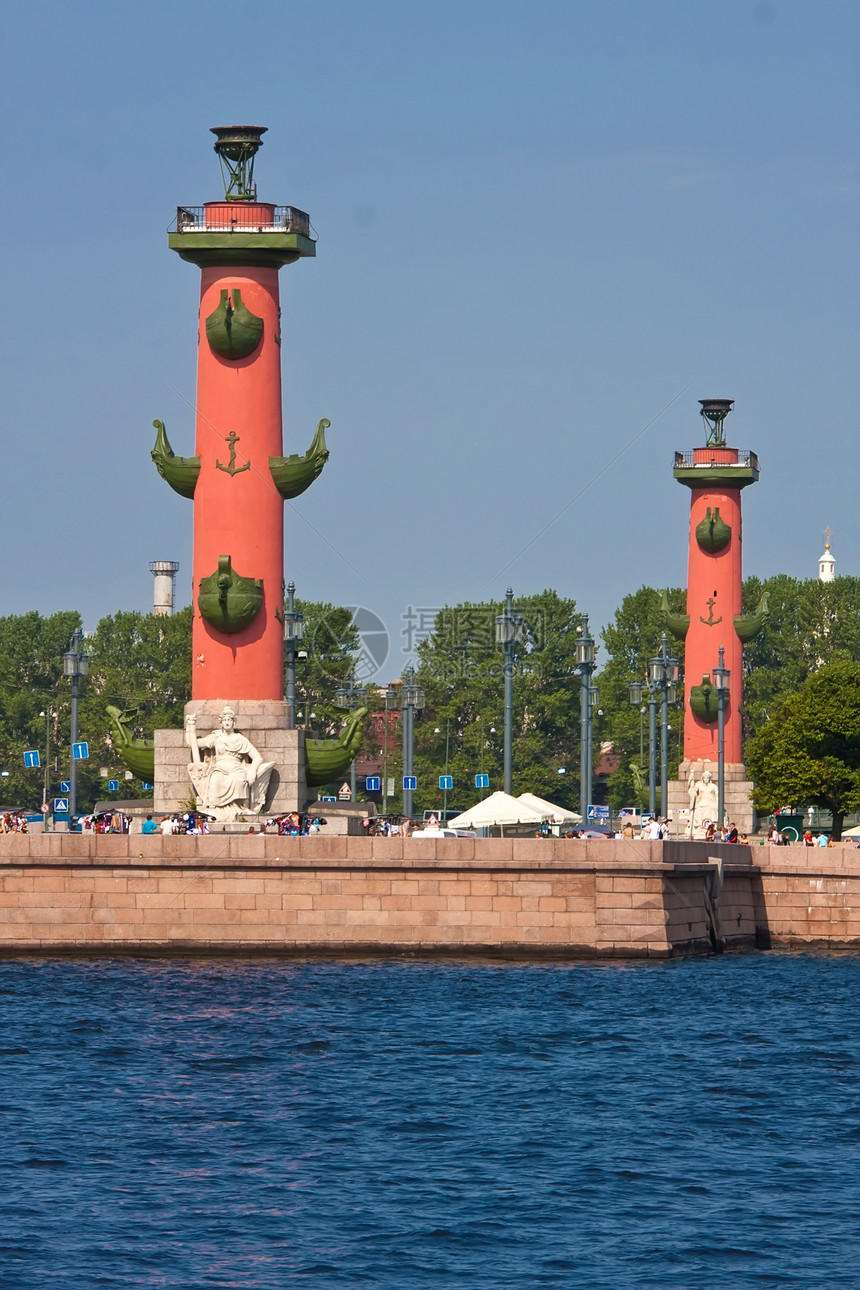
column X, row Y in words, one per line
column 235, row 1123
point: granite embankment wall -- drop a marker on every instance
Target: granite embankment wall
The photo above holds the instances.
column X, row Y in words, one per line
column 61, row 893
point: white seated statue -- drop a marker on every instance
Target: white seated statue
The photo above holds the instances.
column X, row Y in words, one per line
column 229, row 775
column 704, row 805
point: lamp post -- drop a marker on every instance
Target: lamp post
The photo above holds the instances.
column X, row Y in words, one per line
column 412, row 701
column 722, row 676
column 585, row 654
column 509, row 627
column 46, row 799
column 75, row 665
column 345, row 697
column 636, row 691
column 294, row 629
column 390, row 706
column 663, row 673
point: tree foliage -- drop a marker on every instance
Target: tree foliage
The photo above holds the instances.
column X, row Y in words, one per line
column 461, row 670
column 631, row 639
column 808, row 752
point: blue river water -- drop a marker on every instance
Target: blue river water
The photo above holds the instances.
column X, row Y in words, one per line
column 412, row 1124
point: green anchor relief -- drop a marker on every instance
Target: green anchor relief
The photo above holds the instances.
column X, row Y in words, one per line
column 228, row 602
column 232, row 330
column 231, row 468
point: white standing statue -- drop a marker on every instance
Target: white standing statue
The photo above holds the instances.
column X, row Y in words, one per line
column 229, row 775
column 703, row 803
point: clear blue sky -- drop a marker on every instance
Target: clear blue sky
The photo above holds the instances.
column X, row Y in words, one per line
column 538, row 223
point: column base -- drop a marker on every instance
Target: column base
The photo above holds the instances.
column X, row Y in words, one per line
column 738, row 797
column 264, row 723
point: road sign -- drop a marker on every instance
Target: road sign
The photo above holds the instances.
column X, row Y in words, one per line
column 328, row 799
column 61, row 806
column 81, row 751
column 598, row 812
column 113, row 785
column 65, row 786
column 446, row 781
column 482, row 781
column 410, row 783
column 372, row 784
column 31, row 758
column 345, row 792
column 143, row 784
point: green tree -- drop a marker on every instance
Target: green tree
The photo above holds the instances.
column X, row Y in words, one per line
column 631, row 639
column 808, row 752
column 32, row 684
column 461, row 672
column 140, row 663
column 809, row 623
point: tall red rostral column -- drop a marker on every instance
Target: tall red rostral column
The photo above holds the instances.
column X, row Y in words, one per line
column 715, row 474
column 240, row 244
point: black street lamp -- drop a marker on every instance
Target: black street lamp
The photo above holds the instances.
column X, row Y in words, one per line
column 411, row 701
column 390, row 706
column 663, row 674
column 75, row 665
column 661, row 688
column 349, row 697
column 509, row 632
column 294, row 629
column 586, row 651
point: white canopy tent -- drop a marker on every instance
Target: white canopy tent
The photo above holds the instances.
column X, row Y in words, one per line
column 557, row 814
column 501, row 811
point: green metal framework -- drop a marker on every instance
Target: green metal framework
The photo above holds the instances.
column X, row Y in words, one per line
column 237, row 146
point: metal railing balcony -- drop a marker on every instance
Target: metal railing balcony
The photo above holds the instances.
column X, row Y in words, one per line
column 285, row 219
column 746, row 460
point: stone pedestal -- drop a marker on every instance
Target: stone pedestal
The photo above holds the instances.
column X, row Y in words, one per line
column 738, row 794
column 264, row 723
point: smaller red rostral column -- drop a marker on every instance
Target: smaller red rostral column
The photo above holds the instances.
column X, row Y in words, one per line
column 715, row 474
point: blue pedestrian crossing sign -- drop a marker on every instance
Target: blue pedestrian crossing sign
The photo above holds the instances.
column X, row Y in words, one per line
column 372, row 784
column 65, row 786
column 410, row 783
column 143, row 784
column 81, row 751
column 61, row 806
column 446, row 781
column 31, row 758
column 113, row 785
column 482, row 781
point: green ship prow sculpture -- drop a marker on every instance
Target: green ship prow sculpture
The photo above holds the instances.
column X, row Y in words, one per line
column 325, row 759
column 138, row 754
column 293, row 474
column 180, row 472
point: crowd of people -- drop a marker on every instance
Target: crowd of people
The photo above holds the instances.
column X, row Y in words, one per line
column 105, row 822
column 13, row 822
column 193, row 822
column 381, row 826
